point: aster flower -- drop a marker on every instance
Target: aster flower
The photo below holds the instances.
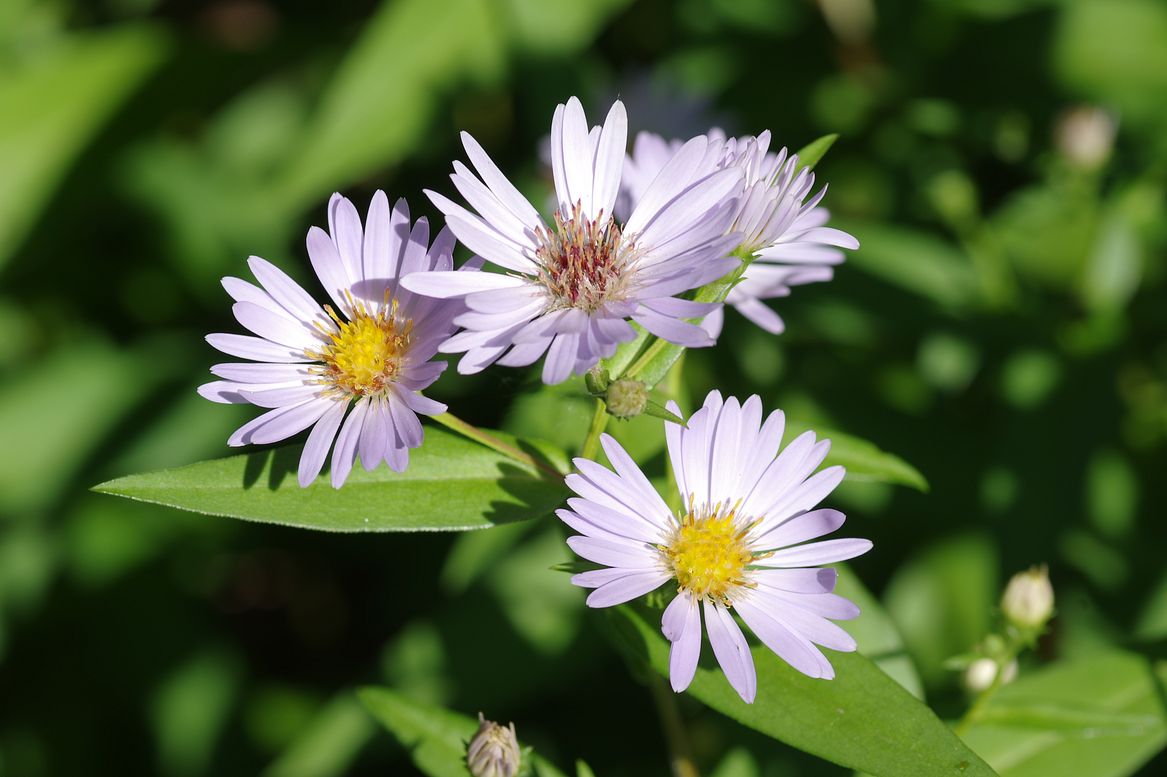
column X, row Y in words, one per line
column 572, row 285
column 781, row 223
column 370, row 350
column 740, row 544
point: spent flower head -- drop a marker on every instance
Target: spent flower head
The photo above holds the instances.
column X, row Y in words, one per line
column 739, row 543
column 369, row 350
column 572, row 284
column 494, row 750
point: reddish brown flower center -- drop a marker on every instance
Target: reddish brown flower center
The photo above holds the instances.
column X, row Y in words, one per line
column 582, row 263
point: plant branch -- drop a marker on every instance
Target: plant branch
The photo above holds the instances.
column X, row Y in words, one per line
column 591, row 443
column 483, row 437
column 677, row 739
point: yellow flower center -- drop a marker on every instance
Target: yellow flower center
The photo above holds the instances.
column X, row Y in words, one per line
column 708, row 553
column 364, row 354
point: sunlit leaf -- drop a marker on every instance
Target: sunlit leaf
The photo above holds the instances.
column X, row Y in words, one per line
column 451, row 484
column 810, row 154
column 915, row 261
column 56, row 411
column 864, row 460
column 54, row 106
column 1102, row 715
column 862, row 719
column 942, row 601
column 876, row 633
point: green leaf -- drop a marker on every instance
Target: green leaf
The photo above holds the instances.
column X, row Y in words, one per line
column 917, row 262
column 62, row 406
column 863, row 460
column 452, row 484
column 429, row 48
column 435, row 737
column 810, row 154
column 329, row 744
column 943, row 600
column 862, row 719
column 876, row 633
column 1102, row 715
column 53, row 107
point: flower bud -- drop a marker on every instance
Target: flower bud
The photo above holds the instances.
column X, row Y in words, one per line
column 1085, row 136
column 1029, row 599
column 981, row 673
column 626, row 398
column 494, row 750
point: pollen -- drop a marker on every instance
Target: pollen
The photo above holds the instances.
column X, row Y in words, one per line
column 583, row 263
column 708, row 553
column 363, row 356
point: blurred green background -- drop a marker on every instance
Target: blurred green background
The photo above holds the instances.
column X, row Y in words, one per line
column 1002, row 328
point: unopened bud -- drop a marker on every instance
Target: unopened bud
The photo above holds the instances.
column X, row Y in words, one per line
column 626, row 398
column 494, row 750
column 981, row 673
column 1029, row 598
column 1085, row 135
column 596, row 381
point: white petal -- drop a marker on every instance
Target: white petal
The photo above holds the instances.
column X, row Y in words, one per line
column 626, row 588
column 276, row 328
column 345, row 451
column 681, row 624
column 255, row 348
column 610, row 160
column 286, row 291
column 502, row 188
column 319, row 441
column 811, row 554
column 733, row 654
column 577, row 159
column 344, row 224
column 444, row 285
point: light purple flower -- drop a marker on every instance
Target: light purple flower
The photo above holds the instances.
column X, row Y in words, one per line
column 739, row 544
column 781, row 223
column 570, row 287
column 370, row 352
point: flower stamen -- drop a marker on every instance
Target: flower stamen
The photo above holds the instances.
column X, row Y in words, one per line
column 364, row 354
column 708, row 553
column 583, row 263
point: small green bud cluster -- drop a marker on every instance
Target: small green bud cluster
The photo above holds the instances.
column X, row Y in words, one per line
column 625, row 398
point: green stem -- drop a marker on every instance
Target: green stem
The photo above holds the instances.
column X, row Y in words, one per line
column 591, row 443
column 677, row 739
column 471, row 431
column 977, row 709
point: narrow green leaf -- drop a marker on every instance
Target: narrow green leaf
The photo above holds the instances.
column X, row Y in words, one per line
column 876, row 633
column 942, row 600
column 862, row 719
column 917, row 262
column 863, row 460
column 1102, row 715
column 452, row 484
column 810, row 154
column 435, row 737
column 329, row 744
column 54, row 106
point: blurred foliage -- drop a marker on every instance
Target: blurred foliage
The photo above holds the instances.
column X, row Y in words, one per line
column 1002, row 162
